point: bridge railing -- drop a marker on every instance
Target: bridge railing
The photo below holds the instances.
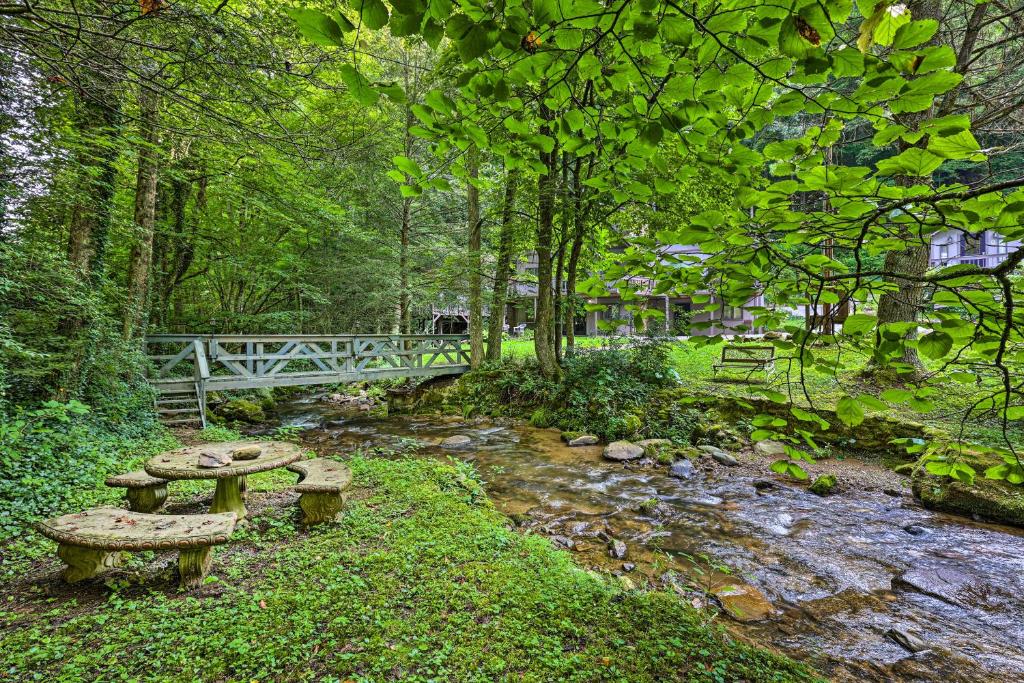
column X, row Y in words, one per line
column 250, row 361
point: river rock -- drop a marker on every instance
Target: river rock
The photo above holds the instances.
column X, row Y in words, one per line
column 720, row 456
column 457, row 441
column 213, row 459
column 915, row 529
column 681, row 469
column 622, row 450
column 907, row 641
column 617, row 549
column 628, row 567
column 584, row 440
column 743, row 602
column 564, row 542
column 823, row 485
column 770, row 448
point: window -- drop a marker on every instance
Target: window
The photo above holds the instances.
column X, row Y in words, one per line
column 971, row 245
column 943, row 252
column 732, row 313
column 997, row 244
column 532, row 270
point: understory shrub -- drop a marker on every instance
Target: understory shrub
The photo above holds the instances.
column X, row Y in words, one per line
column 605, row 392
column 54, row 458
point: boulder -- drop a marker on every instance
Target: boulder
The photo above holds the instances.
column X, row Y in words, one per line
column 770, row 448
column 989, row 498
column 457, row 441
column 584, row 440
column 681, row 469
column 242, row 410
column 823, row 485
column 617, row 549
column 212, row 459
column 720, row 456
column 564, row 542
column 622, row 450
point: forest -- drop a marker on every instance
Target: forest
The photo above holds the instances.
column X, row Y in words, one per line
column 555, row 230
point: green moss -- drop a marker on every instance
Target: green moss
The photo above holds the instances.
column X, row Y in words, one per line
column 422, row 579
column 823, row 485
column 995, row 500
column 569, row 436
column 542, row 418
column 647, row 506
column 242, row 410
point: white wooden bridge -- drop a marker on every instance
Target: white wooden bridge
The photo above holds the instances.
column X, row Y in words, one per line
column 188, row 366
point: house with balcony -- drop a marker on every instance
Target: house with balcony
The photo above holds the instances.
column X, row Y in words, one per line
column 986, row 249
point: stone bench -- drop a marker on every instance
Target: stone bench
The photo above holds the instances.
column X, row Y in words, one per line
column 91, row 541
column 323, row 484
column 145, row 493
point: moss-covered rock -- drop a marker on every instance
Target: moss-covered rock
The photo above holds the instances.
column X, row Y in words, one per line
column 242, row 410
column 995, row 500
column 823, row 485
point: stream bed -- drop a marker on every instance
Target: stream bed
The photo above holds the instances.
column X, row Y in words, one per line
column 863, row 585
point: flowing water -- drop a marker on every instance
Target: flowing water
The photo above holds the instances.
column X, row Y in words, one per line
column 822, row 579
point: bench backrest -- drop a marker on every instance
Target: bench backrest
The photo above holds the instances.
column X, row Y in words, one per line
column 760, row 353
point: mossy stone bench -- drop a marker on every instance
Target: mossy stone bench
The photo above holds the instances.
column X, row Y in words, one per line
column 145, row 493
column 323, row 484
column 91, row 541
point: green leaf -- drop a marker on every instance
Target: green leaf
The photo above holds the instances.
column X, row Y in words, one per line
column 859, row 323
column 911, row 162
column 914, row 33
column 373, row 13
column 956, row 146
column 869, row 401
column 317, row 27
column 935, row 344
column 358, row 86
column 407, row 165
column 896, row 395
column 849, row 411
column 780, row 466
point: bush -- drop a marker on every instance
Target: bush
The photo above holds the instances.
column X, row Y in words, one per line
column 55, row 457
column 605, row 392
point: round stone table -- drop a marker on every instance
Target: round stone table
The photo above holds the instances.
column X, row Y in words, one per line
column 183, row 463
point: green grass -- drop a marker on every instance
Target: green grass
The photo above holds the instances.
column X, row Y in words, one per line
column 422, row 581
column 824, row 389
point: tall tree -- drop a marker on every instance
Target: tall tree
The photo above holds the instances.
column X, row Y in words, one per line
column 502, row 268
column 476, row 313
column 141, row 259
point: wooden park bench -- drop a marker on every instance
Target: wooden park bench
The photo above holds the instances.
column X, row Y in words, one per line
column 145, row 493
column 747, row 358
column 323, row 484
column 91, row 541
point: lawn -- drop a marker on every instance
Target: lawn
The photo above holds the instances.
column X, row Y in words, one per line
column 694, row 364
column 422, row 581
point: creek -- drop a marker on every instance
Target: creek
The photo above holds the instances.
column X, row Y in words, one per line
column 852, row 583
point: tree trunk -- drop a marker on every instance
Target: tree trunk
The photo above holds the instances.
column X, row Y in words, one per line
column 502, row 270
column 903, row 304
column 136, row 311
column 476, row 312
column 89, row 225
column 90, row 215
column 543, row 339
column 404, row 295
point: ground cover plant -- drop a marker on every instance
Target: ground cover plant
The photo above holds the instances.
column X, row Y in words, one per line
column 422, row 580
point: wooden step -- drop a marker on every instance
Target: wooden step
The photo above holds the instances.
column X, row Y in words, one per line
column 181, row 421
column 177, row 411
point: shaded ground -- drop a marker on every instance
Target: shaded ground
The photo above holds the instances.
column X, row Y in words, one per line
column 423, row 580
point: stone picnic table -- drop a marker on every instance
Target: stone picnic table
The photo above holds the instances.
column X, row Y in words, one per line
column 183, row 463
